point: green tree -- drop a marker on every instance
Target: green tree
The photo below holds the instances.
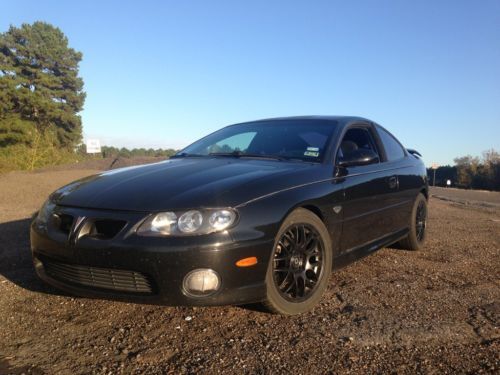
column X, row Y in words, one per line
column 40, row 90
column 467, row 168
column 479, row 173
column 491, row 161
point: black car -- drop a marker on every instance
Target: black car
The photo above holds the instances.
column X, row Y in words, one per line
column 255, row 212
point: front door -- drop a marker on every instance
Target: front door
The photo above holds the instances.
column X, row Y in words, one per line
column 368, row 192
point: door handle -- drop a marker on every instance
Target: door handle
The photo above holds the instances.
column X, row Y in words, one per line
column 393, row 182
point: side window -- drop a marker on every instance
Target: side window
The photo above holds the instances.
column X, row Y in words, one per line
column 238, row 142
column 393, row 149
column 356, row 139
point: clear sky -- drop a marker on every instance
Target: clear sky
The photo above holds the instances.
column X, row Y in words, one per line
column 164, row 73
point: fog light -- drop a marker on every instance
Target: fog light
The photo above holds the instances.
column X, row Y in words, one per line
column 201, row 282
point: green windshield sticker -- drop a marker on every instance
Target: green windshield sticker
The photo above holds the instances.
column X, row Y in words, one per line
column 311, row 153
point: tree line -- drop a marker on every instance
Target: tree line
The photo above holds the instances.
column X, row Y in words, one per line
column 110, row 151
column 470, row 172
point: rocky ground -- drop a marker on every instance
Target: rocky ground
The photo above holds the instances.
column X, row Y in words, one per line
column 433, row 311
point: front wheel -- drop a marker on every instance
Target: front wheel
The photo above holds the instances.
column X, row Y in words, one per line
column 418, row 224
column 300, row 265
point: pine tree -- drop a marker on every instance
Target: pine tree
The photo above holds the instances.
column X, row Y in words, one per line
column 40, row 90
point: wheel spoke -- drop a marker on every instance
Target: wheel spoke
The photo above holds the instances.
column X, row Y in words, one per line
column 289, row 236
column 311, row 241
column 290, row 286
column 312, row 247
column 284, row 281
column 282, row 269
column 299, row 280
column 296, row 236
column 284, row 246
column 279, row 259
column 302, row 237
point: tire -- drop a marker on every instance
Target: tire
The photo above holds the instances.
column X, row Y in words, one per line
column 416, row 237
column 300, row 265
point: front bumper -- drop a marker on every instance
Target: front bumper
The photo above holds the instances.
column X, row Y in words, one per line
column 160, row 263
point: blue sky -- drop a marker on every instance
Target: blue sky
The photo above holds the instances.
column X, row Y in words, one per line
column 164, row 73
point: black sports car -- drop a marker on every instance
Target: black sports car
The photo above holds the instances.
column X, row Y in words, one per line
column 255, row 212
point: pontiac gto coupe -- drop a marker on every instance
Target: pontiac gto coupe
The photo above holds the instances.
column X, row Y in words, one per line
column 261, row 211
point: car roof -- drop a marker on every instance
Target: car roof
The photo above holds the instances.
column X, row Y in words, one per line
column 343, row 120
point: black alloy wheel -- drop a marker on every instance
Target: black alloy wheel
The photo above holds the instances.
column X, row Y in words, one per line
column 298, row 262
column 417, row 225
column 421, row 219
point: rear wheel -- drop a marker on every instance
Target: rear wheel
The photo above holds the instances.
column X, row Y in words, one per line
column 300, row 265
column 418, row 224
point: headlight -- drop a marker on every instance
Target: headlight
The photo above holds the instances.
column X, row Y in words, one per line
column 221, row 219
column 190, row 222
column 45, row 212
column 164, row 223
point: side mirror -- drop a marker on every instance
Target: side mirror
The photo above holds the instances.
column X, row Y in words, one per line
column 358, row 157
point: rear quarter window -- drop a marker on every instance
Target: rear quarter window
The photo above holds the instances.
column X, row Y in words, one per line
column 393, row 149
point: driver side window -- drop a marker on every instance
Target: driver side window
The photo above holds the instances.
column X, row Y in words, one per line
column 354, row 141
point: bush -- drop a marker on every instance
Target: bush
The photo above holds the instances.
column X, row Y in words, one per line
column 22, row 157
column 40, row 152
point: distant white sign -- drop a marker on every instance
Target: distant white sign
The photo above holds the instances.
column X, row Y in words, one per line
column 435, row 166
column 448, row 182
column 93, row 146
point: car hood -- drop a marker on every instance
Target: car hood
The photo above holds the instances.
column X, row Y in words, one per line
column 185, row 183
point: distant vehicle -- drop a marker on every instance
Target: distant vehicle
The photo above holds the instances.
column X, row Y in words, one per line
column 255, row 212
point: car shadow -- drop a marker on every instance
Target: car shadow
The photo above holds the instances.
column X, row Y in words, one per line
column 397, row 246
column 15, row 258
column 255, row 307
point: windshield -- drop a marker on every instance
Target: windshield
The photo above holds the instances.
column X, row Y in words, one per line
column 282, row 139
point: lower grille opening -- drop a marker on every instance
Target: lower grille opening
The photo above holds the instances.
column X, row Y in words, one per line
column 97, row 277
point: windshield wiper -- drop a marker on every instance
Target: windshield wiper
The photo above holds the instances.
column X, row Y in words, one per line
column 186, row 155
column 239, row 154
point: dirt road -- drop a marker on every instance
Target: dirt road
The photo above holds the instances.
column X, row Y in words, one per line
column 468, row 197
column 437, row 310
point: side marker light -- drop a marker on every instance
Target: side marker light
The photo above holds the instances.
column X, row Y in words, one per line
column 247, row 262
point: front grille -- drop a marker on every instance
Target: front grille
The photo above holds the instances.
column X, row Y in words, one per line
column 103, row 278
column 106, row 228
column 63, row 222
column 102, row 229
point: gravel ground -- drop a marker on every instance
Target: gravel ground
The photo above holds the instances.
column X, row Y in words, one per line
column 434, row 311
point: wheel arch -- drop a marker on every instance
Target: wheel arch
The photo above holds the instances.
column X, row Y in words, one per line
column 317, row 211
column 314, row 209
column 425, row 193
